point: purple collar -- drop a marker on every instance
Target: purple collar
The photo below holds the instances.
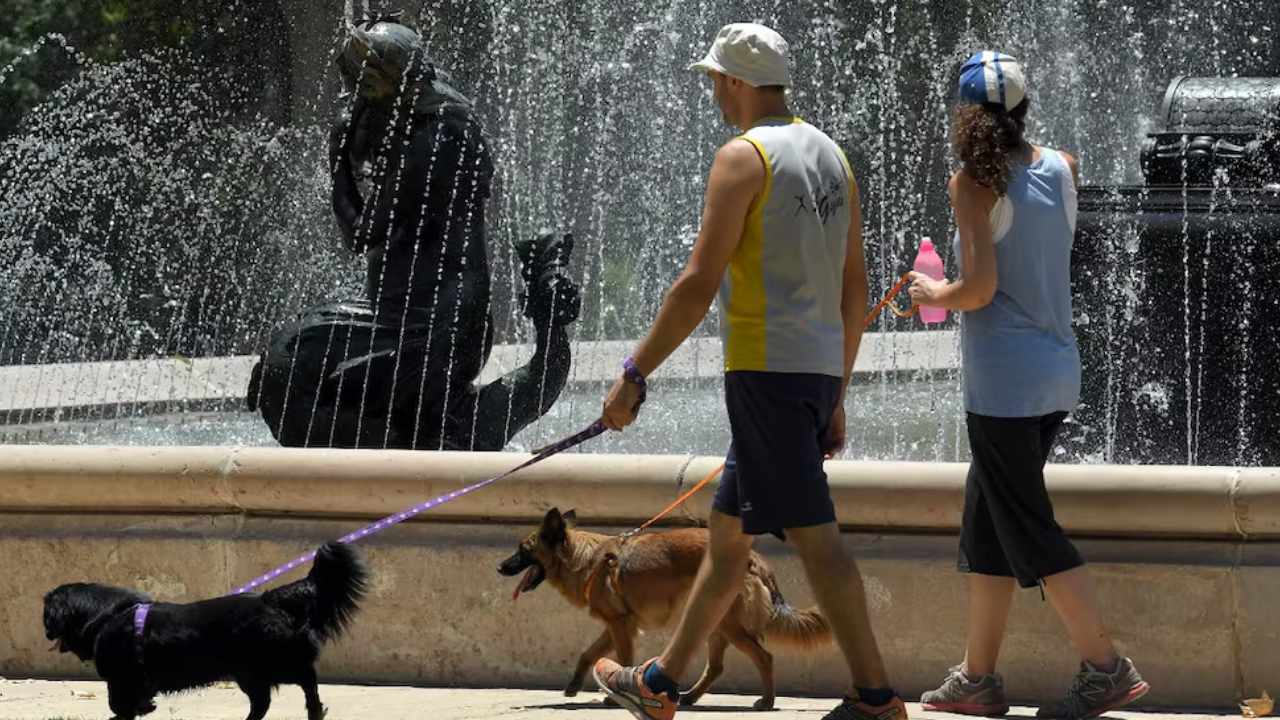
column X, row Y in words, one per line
column 140, row 618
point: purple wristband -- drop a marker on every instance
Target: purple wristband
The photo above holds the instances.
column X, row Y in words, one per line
column 631, row 373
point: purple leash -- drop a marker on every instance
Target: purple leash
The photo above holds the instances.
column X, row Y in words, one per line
column 541, row 454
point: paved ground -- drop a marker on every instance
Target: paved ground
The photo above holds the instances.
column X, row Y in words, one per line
column 43, row 700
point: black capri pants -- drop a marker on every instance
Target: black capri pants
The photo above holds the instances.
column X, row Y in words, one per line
column 1008, row 529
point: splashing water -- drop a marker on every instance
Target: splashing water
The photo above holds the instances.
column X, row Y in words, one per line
column 139, row 221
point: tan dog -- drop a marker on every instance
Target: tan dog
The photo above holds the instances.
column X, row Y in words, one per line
column 641, row 584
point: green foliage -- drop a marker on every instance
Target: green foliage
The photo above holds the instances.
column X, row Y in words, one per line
column 98, row 30
column 139, row 222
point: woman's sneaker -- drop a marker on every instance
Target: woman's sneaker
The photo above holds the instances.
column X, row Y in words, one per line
column 1094, row 692
column 966, row 695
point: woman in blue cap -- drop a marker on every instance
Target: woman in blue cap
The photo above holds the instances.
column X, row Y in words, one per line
column 1015, row 210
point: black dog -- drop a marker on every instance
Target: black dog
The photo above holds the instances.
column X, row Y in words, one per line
column 259, row 641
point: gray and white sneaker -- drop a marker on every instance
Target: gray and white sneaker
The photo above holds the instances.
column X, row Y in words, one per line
column 968, row 695
column 1094, row 692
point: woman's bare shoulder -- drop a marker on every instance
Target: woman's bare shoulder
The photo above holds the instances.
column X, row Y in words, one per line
column 964, row 185
column 1072, row 164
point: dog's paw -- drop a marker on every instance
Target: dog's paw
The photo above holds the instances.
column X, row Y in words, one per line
column 608, row 701
column 575, row 683
column 763, row 703
column 689, row 699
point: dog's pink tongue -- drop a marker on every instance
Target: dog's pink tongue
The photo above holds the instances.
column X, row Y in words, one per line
column 525, row 581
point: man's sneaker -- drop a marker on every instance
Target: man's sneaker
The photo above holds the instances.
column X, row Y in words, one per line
column 959, row 693
column 626, row 686
column 851, row 709
column 1094, row 692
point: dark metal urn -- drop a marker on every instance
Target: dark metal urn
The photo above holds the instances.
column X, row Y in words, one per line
column 1177, row 287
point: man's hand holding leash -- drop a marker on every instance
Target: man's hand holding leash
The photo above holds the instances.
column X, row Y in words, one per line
column 625, row 398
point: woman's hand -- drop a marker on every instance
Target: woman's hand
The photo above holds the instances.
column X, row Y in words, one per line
column 924, row 289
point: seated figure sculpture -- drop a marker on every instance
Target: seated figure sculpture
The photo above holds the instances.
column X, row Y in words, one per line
column 398, row 367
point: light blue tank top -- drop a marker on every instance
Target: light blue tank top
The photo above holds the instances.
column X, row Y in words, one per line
column 1019, row 352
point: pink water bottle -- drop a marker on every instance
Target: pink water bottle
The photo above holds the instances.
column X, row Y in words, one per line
column 928, row 262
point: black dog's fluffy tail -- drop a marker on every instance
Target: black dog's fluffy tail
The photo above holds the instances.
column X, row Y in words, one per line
column 341, row 580
column 336, row 584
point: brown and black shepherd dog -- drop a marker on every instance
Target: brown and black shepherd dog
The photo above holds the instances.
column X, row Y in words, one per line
column 641, row 583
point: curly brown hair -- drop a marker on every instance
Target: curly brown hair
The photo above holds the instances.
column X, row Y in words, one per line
column 987, row 138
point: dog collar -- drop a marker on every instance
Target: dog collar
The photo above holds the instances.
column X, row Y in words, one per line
column 140, row 619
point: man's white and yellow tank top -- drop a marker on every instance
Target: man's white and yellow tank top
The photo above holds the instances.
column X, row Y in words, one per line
column 780, row 297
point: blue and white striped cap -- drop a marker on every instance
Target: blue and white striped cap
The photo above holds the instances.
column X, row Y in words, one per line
column 992, row 77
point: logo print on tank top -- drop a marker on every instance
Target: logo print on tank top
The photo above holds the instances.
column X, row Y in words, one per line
column 824, row 205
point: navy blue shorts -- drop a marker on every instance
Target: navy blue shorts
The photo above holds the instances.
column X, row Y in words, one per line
column 773, row 477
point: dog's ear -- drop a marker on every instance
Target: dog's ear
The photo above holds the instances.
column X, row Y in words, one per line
column 552, row 517
column 553, row 527
column 68, row 610
column 570, row 518
column 55, row 613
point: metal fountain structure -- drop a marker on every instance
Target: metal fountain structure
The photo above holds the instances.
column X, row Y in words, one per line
column 1178, row 285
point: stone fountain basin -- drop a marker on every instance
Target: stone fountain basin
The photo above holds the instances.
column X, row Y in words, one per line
column 1187, row 559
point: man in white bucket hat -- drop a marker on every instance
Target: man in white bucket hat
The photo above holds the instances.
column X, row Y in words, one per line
column 781, row 241
column 750, row 52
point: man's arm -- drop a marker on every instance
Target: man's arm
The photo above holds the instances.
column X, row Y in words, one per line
column 853, row 300
column 736, row 178
column 853, row 311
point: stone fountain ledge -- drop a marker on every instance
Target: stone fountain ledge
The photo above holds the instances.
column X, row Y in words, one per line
column 32, row 391
column 1187, row 559
column 1108, row 501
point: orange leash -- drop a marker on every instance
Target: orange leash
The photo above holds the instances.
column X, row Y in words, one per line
column 611, row 559
column 887, row 301
column 678, row 502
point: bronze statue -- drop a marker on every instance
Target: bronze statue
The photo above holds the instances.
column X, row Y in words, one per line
column 397, row 368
